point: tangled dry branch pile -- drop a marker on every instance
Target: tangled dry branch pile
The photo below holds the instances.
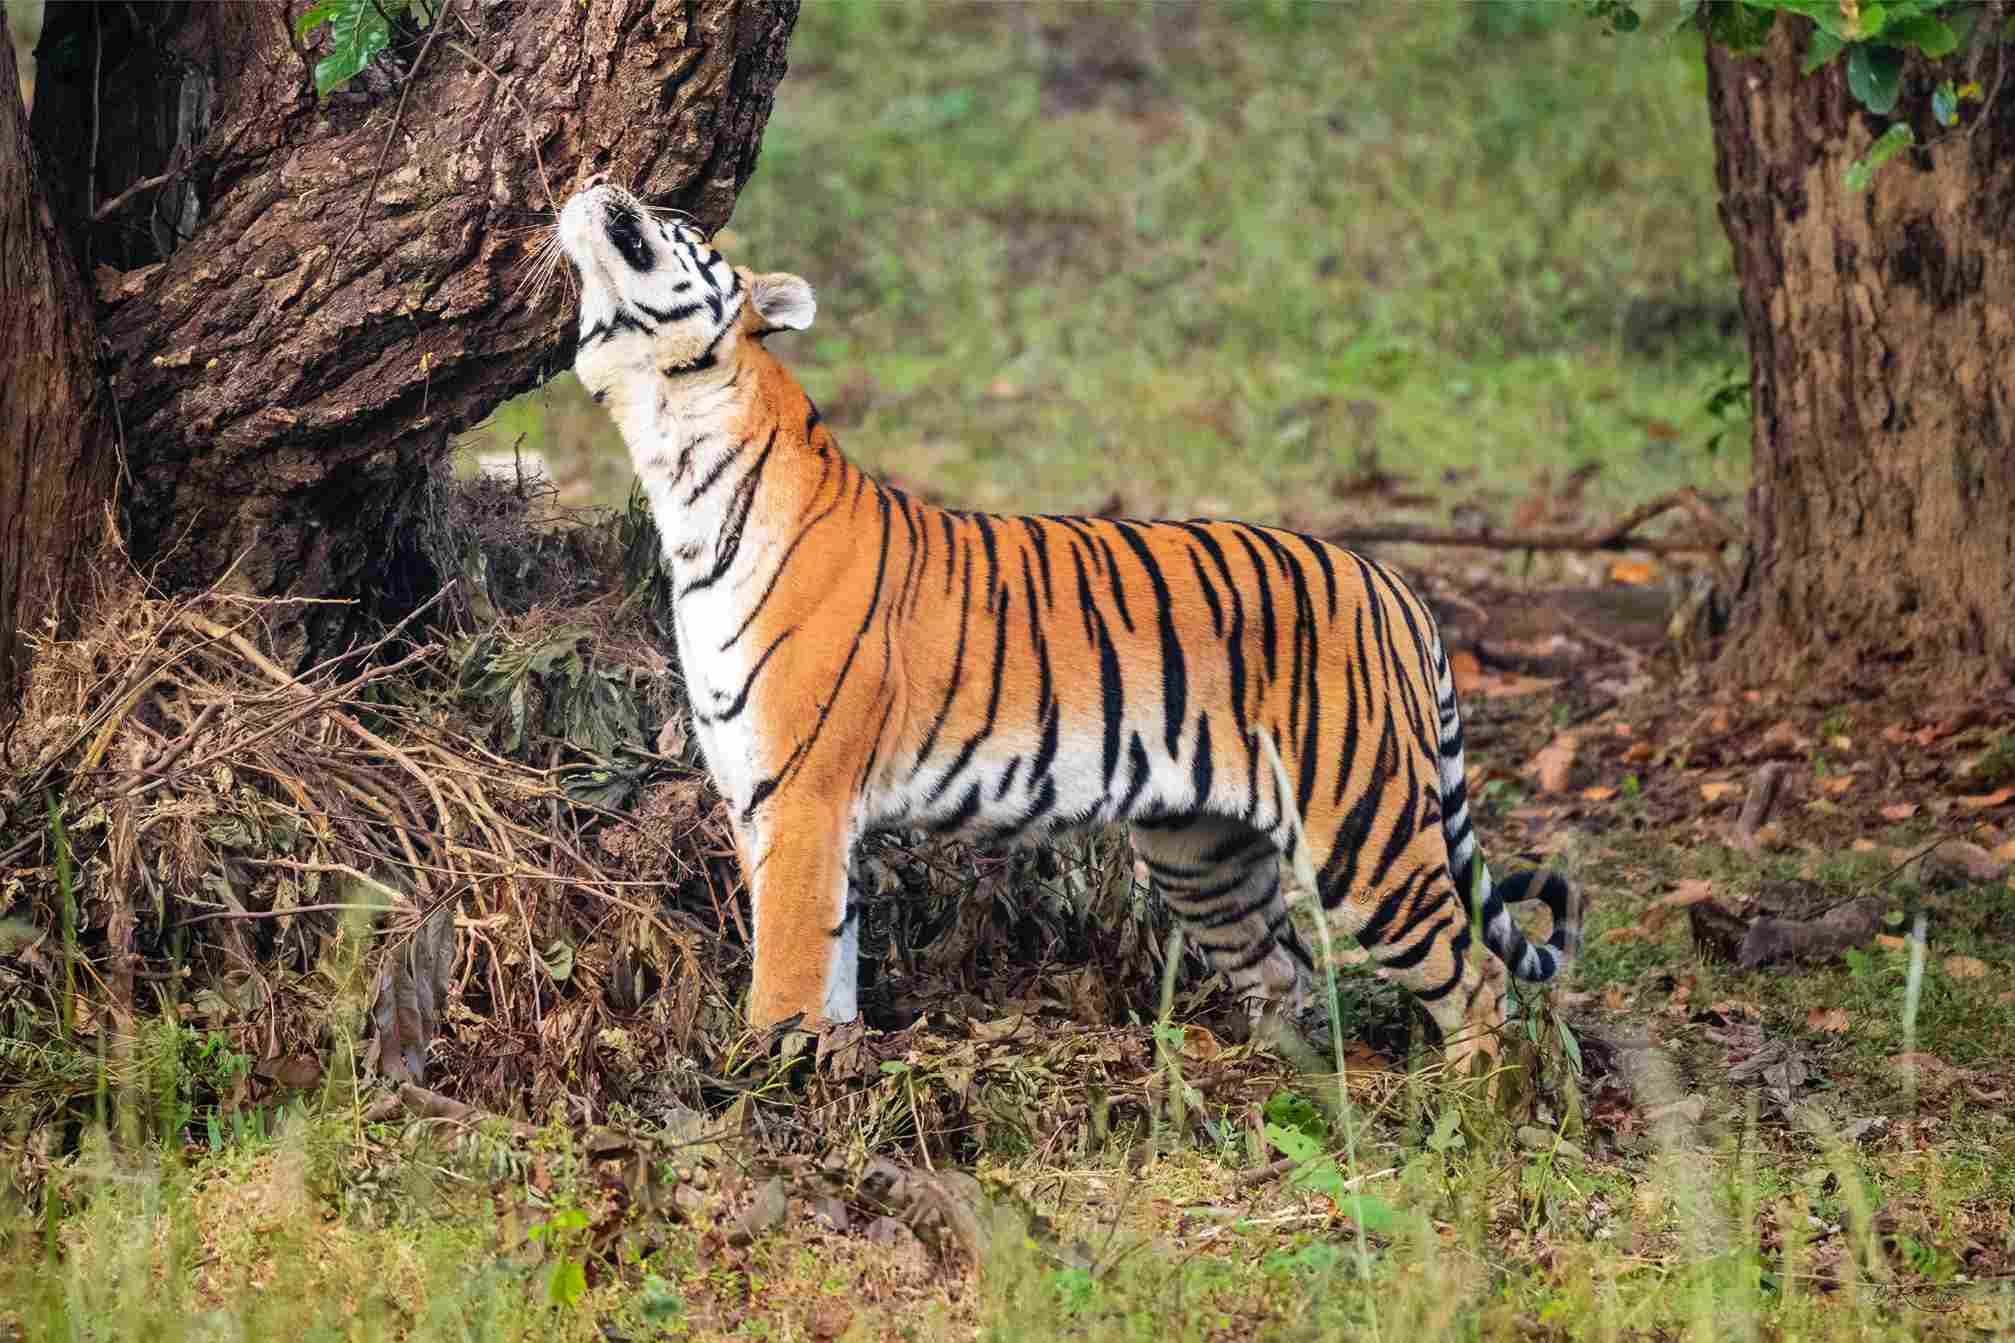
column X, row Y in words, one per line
column 478, row 854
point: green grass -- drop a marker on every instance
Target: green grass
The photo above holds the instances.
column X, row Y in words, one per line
column 1216, row 258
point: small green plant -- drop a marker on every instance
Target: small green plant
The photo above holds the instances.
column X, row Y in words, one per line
column 563, row 1234
column 358, row 31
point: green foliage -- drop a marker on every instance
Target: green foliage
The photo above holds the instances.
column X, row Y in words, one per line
column 358, row 31
column 1894, row 140
column 1875, row 38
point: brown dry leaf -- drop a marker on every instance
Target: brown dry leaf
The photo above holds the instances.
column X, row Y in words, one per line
column 1783, row 735
column 1896, row 734
column 1467, row 670
column 2005, row 852
column 1638, row 753
column 1598, row 794
column 1864, row 846
column 1690, row 892
column 1986, row 800
column 1199, row 1045
column 1832, row 1020
column 1614, row 997
column 1899, row 811
column 1836, row 785
column 1629, row 932
column 1634, row 572
column 1965, row 967
column 1553, row 763
column 1715, row 792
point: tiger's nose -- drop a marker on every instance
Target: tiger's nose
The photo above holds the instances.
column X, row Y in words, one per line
column 598, row 180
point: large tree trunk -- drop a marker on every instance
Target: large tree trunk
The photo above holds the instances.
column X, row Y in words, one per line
column 289, row 372
column 56, row 468
column 1882, row 362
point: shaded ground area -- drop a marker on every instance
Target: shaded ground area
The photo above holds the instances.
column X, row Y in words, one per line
column 419, row 970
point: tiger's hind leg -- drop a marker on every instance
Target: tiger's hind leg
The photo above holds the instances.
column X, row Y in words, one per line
column 1221, row 879
column 1417, row 931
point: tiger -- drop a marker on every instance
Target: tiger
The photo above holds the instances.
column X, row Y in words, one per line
column 859, row 660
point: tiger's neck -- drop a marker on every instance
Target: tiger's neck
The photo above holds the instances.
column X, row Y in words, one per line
column 723, row 457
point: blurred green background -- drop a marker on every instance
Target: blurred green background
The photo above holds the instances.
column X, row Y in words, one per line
column 1401, row 260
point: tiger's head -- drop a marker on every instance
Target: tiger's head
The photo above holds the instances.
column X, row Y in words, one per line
column 657, row 297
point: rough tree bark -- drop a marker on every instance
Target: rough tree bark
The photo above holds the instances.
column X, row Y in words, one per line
column 1882, row 366
column 289, row 374
column 56, row 464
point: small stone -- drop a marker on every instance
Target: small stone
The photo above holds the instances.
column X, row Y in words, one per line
column 765, row 1210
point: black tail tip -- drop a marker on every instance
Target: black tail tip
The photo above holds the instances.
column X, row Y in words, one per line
column 1561, row 898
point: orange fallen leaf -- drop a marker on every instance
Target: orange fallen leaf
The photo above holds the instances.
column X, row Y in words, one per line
column 1986, row 800
column 1896, row 734
column 1965, row 967
column 1836, row 785
column 1600, row 793
column 1690, row 892
column 1832, row 1020
column 1625, row 730
column 1467, row 670
column 1864, row 846
column 1714, row 792
column 1899, row 811
column 1614, row 997
column 1634, row 572
column 2005, row 852
column 1629, row 932
column 1553, row 763
column 1891, row 941
column 1512, row 684
column 1638, row 753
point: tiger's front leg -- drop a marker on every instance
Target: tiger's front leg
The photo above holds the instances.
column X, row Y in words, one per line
column 795, row 860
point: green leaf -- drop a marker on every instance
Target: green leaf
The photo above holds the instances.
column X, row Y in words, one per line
column 1372, row 1213
column 568, row 1284
column 1824, row 47
column 1929, row 35
column 1945, row 103
column 1875, row 76
column 358, row 31
column 1570, row 1046
column 1894, row 140
column 314, row 16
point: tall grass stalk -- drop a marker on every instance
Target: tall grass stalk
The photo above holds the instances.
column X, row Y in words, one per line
column 1304, row 875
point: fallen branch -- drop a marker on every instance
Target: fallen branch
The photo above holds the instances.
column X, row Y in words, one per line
column 1614, row 536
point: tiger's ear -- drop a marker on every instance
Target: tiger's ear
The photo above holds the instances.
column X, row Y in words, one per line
column 783, row 301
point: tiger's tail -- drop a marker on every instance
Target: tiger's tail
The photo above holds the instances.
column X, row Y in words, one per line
column 1535, row 963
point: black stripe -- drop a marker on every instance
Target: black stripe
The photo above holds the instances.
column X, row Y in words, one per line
column 729, row 542
column 789, row 550
column 1174, row 677
column 1136, row 755
column 803, row 749
column 986, row 728
column 952, row 684
column 1034, row 528
column 720, row 468
column 741, row 701
column 1210, row 598
column 1200, row 764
